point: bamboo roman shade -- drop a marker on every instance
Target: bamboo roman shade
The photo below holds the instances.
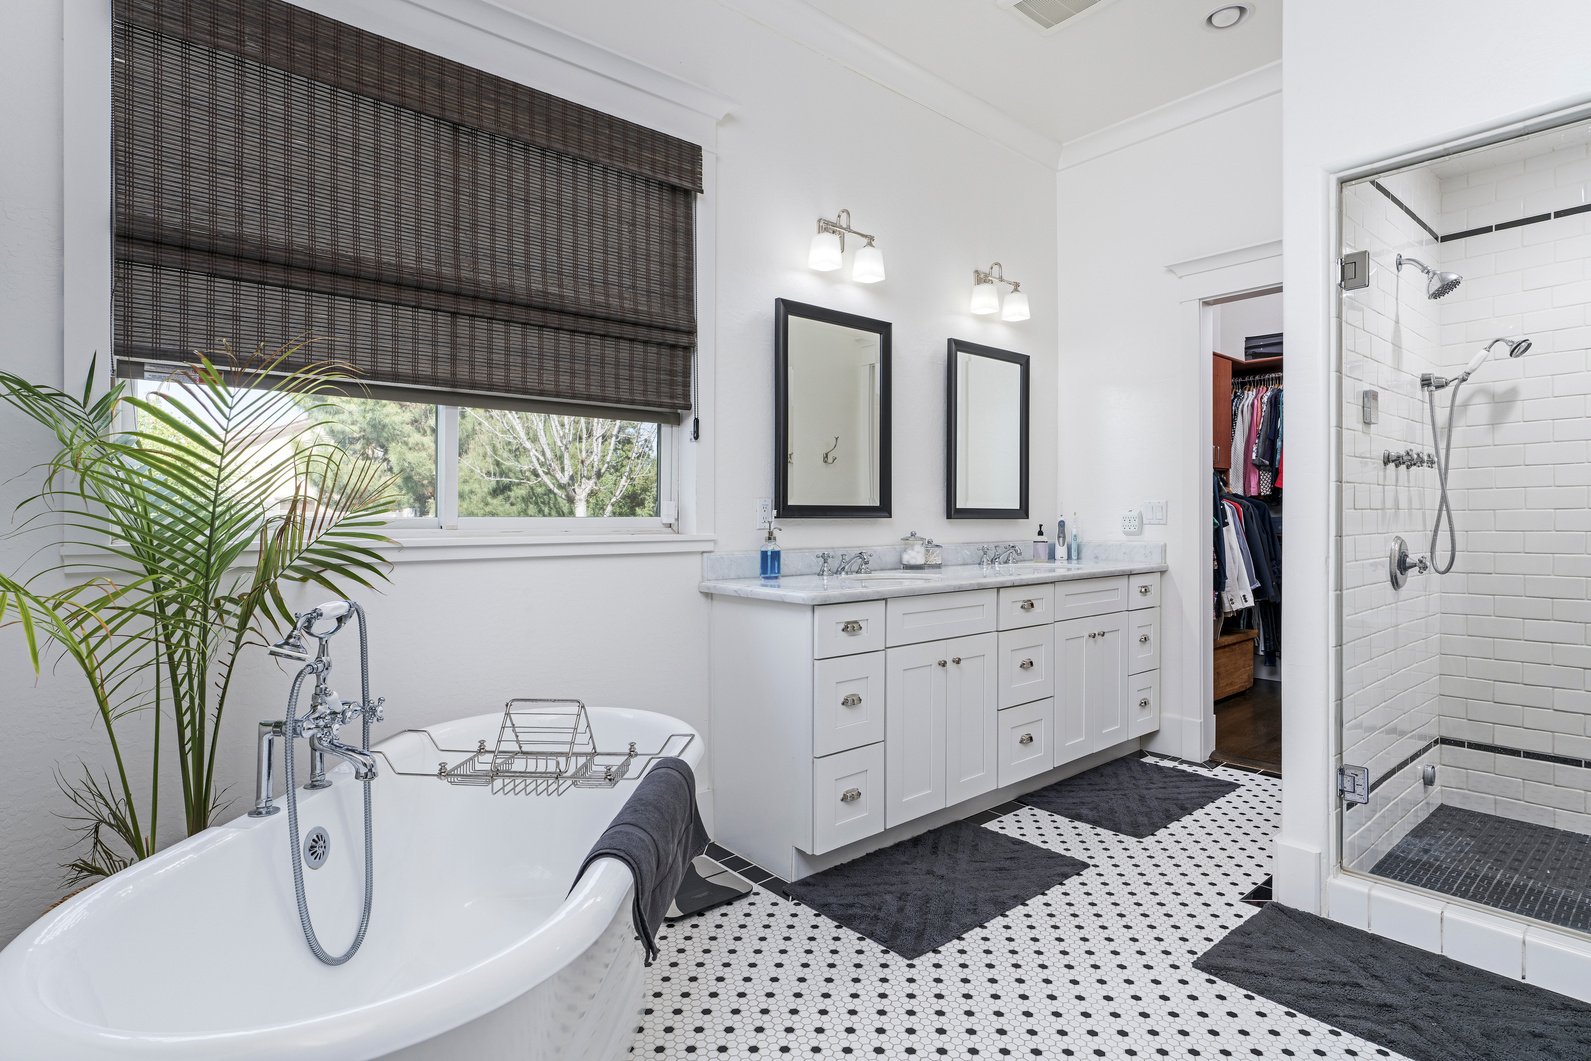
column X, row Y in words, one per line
column 452, row 233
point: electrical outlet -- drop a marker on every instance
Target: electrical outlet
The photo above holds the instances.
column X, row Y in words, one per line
column 1155, row 513
column 764, row 512
column 1132, row 522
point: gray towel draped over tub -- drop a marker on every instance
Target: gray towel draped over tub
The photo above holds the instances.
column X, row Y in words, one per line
column 657, row 833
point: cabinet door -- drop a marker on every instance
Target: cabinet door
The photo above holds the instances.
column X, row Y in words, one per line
column 1073, row 641
column 1107, row 682
column 914, row 730
column 972, row 750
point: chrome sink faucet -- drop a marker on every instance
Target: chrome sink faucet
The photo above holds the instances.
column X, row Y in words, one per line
column 1007, row 554
column 859, row 564
column 824, row 560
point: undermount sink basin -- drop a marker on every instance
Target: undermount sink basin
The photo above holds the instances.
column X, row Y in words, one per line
column 902, row 577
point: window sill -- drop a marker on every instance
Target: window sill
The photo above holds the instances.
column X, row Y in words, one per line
column 416, row 545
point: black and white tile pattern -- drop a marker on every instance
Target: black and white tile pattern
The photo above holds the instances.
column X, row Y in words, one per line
column 1099, row 966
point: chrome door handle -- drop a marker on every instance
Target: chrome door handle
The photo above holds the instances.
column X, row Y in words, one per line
column 1144, row 702
column 1026, row 738
column 850, row 626
column 1143, row 639
column 1026, row 605
column 851, row 700
column 850, row 795
column 1143, row 591
column 1026, row 664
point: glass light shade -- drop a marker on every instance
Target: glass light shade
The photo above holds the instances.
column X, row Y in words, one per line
column 1016, row 307
column 869, row 265
column 985, row 299
column 825, row 254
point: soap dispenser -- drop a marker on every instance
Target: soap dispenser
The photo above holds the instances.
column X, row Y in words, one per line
column 770, row 559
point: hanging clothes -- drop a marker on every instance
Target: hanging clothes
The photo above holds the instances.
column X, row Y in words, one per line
column 1253, row 567
column 1257, row 439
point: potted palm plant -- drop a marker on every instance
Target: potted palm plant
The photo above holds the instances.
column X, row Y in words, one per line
column 186, row 510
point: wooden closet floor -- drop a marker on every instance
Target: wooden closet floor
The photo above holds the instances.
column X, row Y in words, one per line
column 1248, row 727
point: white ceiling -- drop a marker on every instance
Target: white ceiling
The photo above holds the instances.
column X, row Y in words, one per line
column 1117, row 59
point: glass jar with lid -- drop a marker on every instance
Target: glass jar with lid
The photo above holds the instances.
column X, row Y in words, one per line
column 914, row 552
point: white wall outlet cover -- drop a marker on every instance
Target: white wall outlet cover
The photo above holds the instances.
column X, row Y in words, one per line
column 1155, row 513
column 1132, row 522
column 764, row 512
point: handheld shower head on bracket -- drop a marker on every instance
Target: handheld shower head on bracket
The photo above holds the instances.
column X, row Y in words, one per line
column 1437, row 284
column 1516, row 346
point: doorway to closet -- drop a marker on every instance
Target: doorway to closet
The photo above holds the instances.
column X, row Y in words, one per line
column 1247, row 482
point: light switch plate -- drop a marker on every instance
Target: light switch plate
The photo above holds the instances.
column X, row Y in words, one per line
column 1132, row 522
column 1155, row 513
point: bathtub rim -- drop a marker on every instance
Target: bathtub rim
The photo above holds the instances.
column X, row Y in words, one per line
column 407, row 1019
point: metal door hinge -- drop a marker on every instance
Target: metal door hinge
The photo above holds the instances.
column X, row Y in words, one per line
column 1353, row 271
column 1353, row 783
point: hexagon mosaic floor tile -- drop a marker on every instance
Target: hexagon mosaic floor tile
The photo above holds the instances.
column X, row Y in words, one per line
column 1099, row 966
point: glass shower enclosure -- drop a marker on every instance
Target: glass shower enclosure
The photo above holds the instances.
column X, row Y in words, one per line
column 1464, row 573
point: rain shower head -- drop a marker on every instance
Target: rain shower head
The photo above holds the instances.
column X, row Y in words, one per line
column 1436, row 284
column 1516, row 346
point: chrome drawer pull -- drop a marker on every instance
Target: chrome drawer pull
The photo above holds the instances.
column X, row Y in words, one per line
column 851, row 700
column 850, row 626
column 1144, row 702
column 1143, row 639
column 1026, row 738
column 1027, row 605
column 850, row 795
column 1143, row 591
column 1026, row 664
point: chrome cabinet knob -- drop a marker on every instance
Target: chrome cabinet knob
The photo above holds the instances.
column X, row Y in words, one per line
column 850, row 795
column 1143, row 639
column 1026, row 664
column 851, row 700
column 1143, row 591
column 1144, row 702
column 1026, row 738
column 941, row 663
column 1092, row 635
column 1027, row 605
column 956, row 660
column 851, row 626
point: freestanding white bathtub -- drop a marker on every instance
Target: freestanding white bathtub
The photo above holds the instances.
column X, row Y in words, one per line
column 473, row 950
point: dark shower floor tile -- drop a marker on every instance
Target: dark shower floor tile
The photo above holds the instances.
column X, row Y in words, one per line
column 1528, row 869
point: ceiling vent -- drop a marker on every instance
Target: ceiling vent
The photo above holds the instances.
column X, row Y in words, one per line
column 1046, row 16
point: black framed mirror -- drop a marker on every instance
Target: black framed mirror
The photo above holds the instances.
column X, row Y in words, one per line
column 831, row 413
column 986, row 437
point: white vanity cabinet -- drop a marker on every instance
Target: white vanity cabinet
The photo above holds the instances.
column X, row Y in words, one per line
column 836, row 723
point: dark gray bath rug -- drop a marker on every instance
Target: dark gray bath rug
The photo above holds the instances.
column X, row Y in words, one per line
column 1420, row 1004
column 1134, row 797
column 920, row 894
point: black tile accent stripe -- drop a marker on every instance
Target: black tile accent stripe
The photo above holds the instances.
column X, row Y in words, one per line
column 1399, row 203
column 1476, row 746
column 1501, row 226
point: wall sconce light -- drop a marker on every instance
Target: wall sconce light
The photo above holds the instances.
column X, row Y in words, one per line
column 986, row 295
column 828, row 250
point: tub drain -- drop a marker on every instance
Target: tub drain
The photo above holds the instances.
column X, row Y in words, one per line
column 317, row 845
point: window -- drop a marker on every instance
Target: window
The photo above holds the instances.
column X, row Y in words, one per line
column 497, row 465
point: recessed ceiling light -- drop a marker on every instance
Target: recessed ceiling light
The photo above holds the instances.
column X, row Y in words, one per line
column 1228, row 16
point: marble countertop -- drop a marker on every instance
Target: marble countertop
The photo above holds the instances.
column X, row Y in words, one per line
column 836, row 589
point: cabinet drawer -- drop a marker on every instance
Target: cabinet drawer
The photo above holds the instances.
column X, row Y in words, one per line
column 847, row 797
column 1143, row 703
column 1027, row 606
column 1090, row 596
column 1143, row 640
column 847, row 702
column 1026, row 747
column 843, row 629
column 916, row 619
column 1144, row 591
column 1027, row 665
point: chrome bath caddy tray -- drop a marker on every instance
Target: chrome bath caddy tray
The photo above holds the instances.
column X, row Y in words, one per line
column 544, row 748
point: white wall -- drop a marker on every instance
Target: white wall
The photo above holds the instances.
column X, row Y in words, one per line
column 1435, row 78
column 807, row 137
column 1134, row 385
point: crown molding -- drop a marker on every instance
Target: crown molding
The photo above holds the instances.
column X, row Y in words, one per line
column 812, row 29
column 1259, row 83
